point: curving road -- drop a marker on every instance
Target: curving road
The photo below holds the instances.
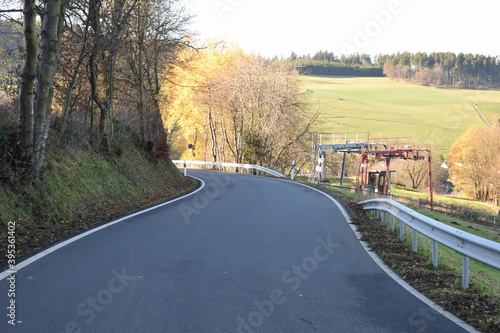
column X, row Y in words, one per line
column 244, row 254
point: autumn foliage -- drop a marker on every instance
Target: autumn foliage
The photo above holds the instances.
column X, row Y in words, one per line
column 475, row 163
column 235, row 107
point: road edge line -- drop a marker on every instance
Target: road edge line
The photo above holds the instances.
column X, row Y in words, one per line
column 390, row 272
column 62, row 244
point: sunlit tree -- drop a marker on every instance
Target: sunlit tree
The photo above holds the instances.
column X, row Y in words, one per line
column 475, row 162
column 236, row 107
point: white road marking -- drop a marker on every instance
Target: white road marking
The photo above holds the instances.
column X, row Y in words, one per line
column 56, row 247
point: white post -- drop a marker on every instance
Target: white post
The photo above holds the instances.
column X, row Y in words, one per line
column 293, row 170
column 185, row 169
column 320, row 167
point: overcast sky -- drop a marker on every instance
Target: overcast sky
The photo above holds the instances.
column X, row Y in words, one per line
column 278, row 27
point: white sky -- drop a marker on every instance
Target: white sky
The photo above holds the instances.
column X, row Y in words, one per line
column 278, row 27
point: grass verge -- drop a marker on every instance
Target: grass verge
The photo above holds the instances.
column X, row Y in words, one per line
column 81, row 190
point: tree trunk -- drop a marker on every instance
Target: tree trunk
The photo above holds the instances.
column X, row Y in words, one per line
column 116, row 18
column 213, row 134
column 52, row 29
column 28, row 79
column 140, row 79
column 37, row 80
column 95, row 23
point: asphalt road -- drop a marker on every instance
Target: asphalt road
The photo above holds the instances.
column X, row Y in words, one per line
column 244, row 254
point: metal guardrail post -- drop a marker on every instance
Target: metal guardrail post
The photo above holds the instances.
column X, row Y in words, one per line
column 392, row 223
column 435, row 253
column 468, row 245
column 414, row 243
column 401, row 230
column 465, row 272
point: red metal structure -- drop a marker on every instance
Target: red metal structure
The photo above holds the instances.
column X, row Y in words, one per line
column 405, row 153
column 355, row 143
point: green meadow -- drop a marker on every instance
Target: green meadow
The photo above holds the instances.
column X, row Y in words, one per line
column 424, row 116
column 488, row 101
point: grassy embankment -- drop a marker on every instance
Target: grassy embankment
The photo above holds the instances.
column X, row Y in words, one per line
column 82, row 189
column 393, row 109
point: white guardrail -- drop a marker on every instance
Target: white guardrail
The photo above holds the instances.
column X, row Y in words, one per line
column 470, row 246
column 231, row 165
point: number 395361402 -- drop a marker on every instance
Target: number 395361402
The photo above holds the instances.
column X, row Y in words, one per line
column 11, row 247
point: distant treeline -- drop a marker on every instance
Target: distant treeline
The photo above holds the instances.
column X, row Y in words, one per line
column 327, row 63
column 445, row 69
column 315, row 67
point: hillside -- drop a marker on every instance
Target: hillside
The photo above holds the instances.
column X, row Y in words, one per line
column 392, row 109
column 82, row 189
column 487, row 101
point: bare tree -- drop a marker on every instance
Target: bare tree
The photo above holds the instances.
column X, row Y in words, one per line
column 157, row 29
column 417, row 171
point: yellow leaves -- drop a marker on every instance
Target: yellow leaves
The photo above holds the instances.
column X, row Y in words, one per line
column 232, row 106
column 184, row 108
column 475, row 161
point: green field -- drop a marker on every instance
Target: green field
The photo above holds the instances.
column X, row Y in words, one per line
column 488, row 101
column 431, row 117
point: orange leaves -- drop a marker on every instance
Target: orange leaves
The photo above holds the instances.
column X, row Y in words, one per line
column 475, row 162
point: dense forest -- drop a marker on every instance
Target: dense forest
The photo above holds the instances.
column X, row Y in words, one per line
column 315, row 67
column 327, row 63
column 442, row 69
